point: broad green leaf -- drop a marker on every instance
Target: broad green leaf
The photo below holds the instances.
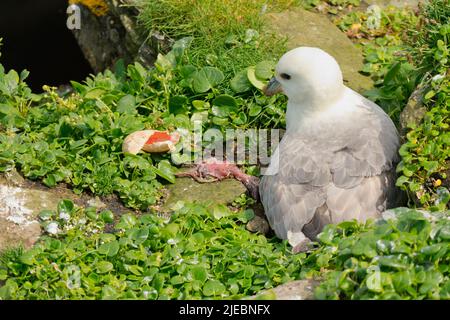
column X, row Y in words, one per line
column 221, row 211
column 27, row 258
column 46, row 214
column 206, row 78
column 264, row 70
column 49, row 181
column 11, row 80
column 253, row 80
column 107, row 216
column 186, row 71
column 127, row 221
column 95, row 93
column 225, row 100
column 247, row 215
column 373, row 282
column 213, row 288
column 254, row 110
column 134, row 269
column 140, row 235
column 127, row 104
column 178, row 104
column 165, row 170
column 214, row 75
column 240, row 82
column 104, row 266
column 110, row 248
column 119, row 69
column 66, row 206
column 241, row 119
column 199, row 273
column 221, row 112
column 177, row 280
column 200, row 104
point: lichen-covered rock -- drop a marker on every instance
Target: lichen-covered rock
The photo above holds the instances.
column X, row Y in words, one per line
column 22, row 200
column 109, row 32
column 396, row 3
column 188, row 190
column 295, row 290
column 414, row 110
column 258, row 224
column 304, row 28
column 19, row 208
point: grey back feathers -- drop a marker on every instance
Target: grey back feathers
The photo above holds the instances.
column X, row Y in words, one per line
column 345, row 172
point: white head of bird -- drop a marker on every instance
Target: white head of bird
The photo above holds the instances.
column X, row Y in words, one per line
column 311, row 79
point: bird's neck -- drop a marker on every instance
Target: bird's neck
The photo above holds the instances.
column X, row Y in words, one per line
column 307, row 114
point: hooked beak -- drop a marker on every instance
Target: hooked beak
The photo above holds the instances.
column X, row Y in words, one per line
column 273, row 87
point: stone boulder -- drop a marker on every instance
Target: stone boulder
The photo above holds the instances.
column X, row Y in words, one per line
column 19, row 208
column 414, row 110
column 305, row 28
column 295, row 290
column 110, row 33
column 22, row 200
column 188, row 190
column 396, row 3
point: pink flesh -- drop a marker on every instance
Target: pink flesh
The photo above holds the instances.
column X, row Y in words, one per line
column 158, row 137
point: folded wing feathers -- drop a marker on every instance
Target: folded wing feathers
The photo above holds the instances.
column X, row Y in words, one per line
column 347, row 174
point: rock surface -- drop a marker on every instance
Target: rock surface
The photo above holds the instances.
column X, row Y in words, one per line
column 188, row 190
column 258, row 224
column 414, row 110
column 19, row 208
column 295, row 290
column 105, row 38
column 396, row 3
column 304, row 28
column 21, row 201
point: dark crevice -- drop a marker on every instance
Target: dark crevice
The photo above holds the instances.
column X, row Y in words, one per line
column 36, row 38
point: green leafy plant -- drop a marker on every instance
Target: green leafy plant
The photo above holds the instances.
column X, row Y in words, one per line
column 402, row 258
column 200, row 252
column 205, row 252
column 409, row 50
column 426, row 153
column 77, row 139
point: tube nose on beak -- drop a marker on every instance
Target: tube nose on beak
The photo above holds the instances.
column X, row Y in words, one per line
column 273, row 87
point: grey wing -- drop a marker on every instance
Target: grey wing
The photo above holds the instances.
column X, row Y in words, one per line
column 363, row 183
column 341, row 177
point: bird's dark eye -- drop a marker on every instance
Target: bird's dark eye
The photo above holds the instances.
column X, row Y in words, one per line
column 285, row 76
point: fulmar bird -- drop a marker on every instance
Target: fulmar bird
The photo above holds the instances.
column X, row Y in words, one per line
column 337, row 158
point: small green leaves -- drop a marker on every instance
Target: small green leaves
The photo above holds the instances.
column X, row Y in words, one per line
column 206, row 252
column 424, row 159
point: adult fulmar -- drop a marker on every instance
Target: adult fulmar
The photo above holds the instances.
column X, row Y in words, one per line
column 337, row 158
